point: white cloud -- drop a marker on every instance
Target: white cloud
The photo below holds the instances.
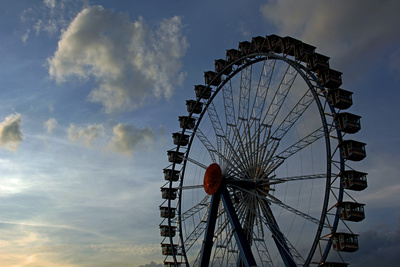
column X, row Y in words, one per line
column 85, row 136
column 128, row 138
column 344, row 30
column 131, row 63
column 50, row 3
column 10, row 132
column 50, row 124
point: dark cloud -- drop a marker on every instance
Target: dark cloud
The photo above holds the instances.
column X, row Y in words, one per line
column 379, row 246
column 345, row 30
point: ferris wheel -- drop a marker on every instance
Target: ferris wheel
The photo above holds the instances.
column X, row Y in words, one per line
column 260, row 173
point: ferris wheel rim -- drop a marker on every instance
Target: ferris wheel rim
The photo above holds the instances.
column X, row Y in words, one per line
column 253, row 59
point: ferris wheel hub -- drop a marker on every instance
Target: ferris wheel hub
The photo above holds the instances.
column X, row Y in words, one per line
column 212, row 179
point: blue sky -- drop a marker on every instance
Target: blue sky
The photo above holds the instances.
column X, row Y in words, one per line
column 91, row 92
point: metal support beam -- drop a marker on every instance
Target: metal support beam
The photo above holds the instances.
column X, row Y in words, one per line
column 244, row 247
column 209, row 233
column 278, row 237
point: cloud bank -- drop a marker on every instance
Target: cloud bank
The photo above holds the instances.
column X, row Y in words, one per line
column 130, row 62
column 10, row 132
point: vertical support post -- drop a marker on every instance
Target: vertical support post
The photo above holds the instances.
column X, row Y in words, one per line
column 209, row 232
column 244, row 247
column 278, row 237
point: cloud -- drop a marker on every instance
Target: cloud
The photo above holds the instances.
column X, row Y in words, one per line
column 50, row 124
column 50, row 3
column 344, row 30
column 49, row 16
column 127, row 138
column 10, row 132
column 86, row 136
column 130, row 62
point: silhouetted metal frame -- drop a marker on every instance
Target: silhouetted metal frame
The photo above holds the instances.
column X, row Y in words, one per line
column 302, row 70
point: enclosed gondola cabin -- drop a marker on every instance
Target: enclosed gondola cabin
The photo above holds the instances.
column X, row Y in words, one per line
column 174, row 156
column 339, row 98
column 166, row 231
column 318, row 62
column 222, row 66
column 232, row 55
column 180, row 139
column 351, row 211
column 347, row 122
column 303, row 51
column 352, row 150
column 212, row 78
column 274, row 43
column 166, row 212
column 168, row 249
column 330, row 78
column 171, row 175
column 185, row 121
column 168, row 193
column 289, row 45
column 345, row 242
column 244, row 48
column 194, row 106
column 202, row 91
column 353, row 180
column 333, row 264
column 259, row 44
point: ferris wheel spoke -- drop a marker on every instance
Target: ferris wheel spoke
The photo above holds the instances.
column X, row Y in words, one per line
column 272, row 163
column 187, row 187
column 213, row 151
column 196, row 232
column 240, row 130
column 281, row 93
column 278, row 202
column 259, row 240
column 196, row 162
column 274, row 180
column 292, row 117
column 220, row 134
column 193, row 210
column 273, row 141
column 262, row 90
column 207, row 144
column 277, row 160
column 262, row 197
column 229, row 109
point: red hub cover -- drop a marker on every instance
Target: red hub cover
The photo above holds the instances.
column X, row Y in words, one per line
column 212, row 179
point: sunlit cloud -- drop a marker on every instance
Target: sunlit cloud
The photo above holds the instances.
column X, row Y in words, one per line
column 128, row 138
column 50, row 124
column 131, row 63
column 10, row 132
column 85, row 135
